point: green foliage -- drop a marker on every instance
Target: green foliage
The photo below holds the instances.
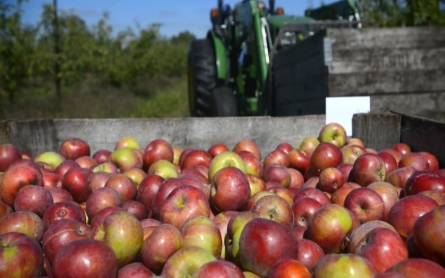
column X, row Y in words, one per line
column 389, row 13
column 125, row 60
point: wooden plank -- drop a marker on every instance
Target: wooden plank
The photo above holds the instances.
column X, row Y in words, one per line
column 4, row 136
column 304, row 107
column 370, row 83
column 385, row 59
column 378, row 131
column 403, row 37
column 423, row 134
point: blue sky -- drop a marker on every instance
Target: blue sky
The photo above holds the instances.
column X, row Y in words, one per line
column 174, row 15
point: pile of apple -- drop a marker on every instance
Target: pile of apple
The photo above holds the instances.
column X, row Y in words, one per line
column 328, row 207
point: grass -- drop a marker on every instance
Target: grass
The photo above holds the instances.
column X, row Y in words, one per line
column 151, row 99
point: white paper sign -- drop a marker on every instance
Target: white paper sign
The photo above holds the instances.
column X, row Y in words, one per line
column 341, row 110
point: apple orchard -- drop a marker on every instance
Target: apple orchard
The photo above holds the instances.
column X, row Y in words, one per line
column 327, row 207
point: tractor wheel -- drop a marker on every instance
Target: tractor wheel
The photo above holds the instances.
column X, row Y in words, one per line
column 201, row 77
column 224, row 103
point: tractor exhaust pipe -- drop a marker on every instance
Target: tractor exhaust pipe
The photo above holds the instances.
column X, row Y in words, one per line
column 220, row 5
column 272, row 6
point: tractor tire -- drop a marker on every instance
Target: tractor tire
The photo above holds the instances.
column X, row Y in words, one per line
column 201, row 77
column 224, row 103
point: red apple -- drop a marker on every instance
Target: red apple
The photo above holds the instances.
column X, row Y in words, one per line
column 418, row 267
column 76, row 182
column 333, row 133
column 85, row 258
column 86, row 162
column 330, row 180
column 435, row 195
column 303, row 209
column 338, row 196
column 117, row 228
column 166, row 187
column 98, row 179
column 230, row 190
column 405, row 213
column 276, row 157
column 147, row 190
column 414, row 159
column 225, row 159
column 277, row 173
column 102, row 198
column 222, row 220
column 137, row 209
column 309, row 253
column 289, row 268
column 62, row 210
column 60, row 195
column 344, row 265
column 283, row 193
column 296, row 180
column 4, row 209
column 324, row 156
column 329, row 226
column 274, row 207
column 399, row 176
column 33, row 198
column 388, row 193
column 134, row 270
column 182, row 204
column 20, row 256
column 264, row 242
column 421, row 181
column 356, row 237
column 402, row 148
column 164, row 241
column 433, row 164
column 390, row 162
column 256, row 184
column 8, row 154
column 366, row 204
column 73, row 148
column 299, row 160
column 102, row 156
column 195, row 181
column 285, row 147
column 217, row 148
column 247, row 145
column 368, row 168
column 51, row 180
column 254, row 166
column 62, row 232
column 311, row 182
column 219, row 268
column 355, row 141
column 396, row 154
column 108, row 167
column 124, row 186
column 314, row 193
column 25, row 222
column 156, row 150
column 196, row 157
column 98, row 219
column 308, row 145
column 351, row 152
column 14, row 179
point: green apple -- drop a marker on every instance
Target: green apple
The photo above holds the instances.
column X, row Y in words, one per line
column 52, row 158
column 333, row 133
column 308, row 145
column 203, row 232
column 225, row 159
column 186, row 261
column 125, row 158
column 129, row 142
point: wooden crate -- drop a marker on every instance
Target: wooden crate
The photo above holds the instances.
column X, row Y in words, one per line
column 401, row 69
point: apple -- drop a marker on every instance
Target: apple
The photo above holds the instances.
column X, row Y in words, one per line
column 263, row 242
column 289, row 268
column 399, row 176
column 217, row 148
column 256, row 184
column 223, row 160
column 134, row 270
column 123, row 185
column 117, row 228
column 311, row 182
column 256, row 197
column 219, row 268
column 296, row 179
column 76, row 182
column 62, row 210
column 182, row 204
column 324, row 156
column 247, row 145
column 100, row 199
column 299, row 160
column 339, row 195
column 137, row 209
column 125, row 158
column 366, row 204
column 355, row 141
column 33, row 198
column 186, row 261
column 98, row 219
column 20, row 255
column 276, row 157
column 60, row 195
column 333, row 133
column 351, row 152
column 383, row 248
column 127, row 141
column 303, row 209
column 344, row 265
column 196, row 157
column 421, row 181
column 136, row 175
column 222, row 220
column 274, row 207
column 160, row 245
column 161, row 163
column 85, row 258
column 108, row 167
column 388, row 193
column 329, row 227
column 283, row 193
column 51, row 180
column 396, row 154
column 402, row 148
column 313, row 193
column 4, row 209
column 163, row 191
column 433, row 164
column 414, row 159
column 308, row 144
column 418, row 267
column 98, row 179
column 195, row 181
column 254, row 166
column 202, row 232
column 330, row 180
column 428, row 235
column 86, row 162
column 390, row 162
column 405, row 213
column 156, row 150
column 102, row 156
column 74, row 148
column 14, row 179
column 229, row 190
column 25, row 222
column 368, row 168
column 234, row 229
column 8, row 154
column 435, row 195
column 52, row 158
column 277, row 173
column 309, row 253
column 356, row 237
column 62, row 232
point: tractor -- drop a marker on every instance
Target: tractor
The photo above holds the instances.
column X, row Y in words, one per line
column 230, row 70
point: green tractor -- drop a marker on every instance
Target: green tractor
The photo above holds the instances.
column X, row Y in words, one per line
column 230, row 71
